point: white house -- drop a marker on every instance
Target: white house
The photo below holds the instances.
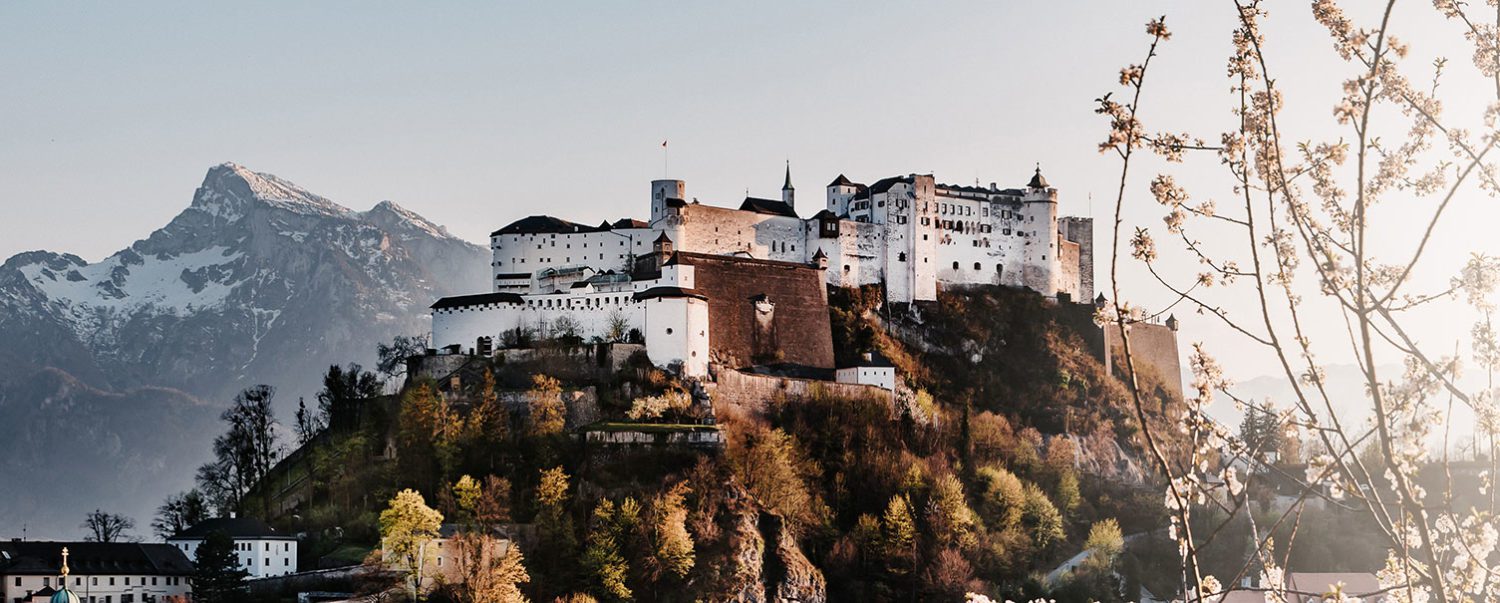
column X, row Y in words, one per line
column 872, row 369
column 95, row 572
column 263, row 551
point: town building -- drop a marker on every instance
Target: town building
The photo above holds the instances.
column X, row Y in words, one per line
column 871, row 369
column 262, row 551
column 907, row 233
column 93, row 572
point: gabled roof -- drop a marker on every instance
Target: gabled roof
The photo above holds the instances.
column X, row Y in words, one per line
column 466, row 301
column 234, row 527
column 842, row 181
column 825, row 215
column 540, row 224
column 43, row 558
column 662, row 238
column 768, row 206
column 885, row 184
column 629, row 223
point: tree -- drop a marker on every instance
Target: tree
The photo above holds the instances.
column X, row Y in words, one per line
column 547, row 415
column 308, row 423
column 491, row 570
column 179, row 512
column 1066, row 493
column 494, row 502
column 898, row 531
column 617, row 327
column 673, row 551
column 391, row 358
column 217, row 577
column 554, row 527
column 1041, row 518
column 1104, row 543
column 949, row 515
column 602, row 557
column 406, row 526
column 245, row 452
column 1001, row 498
column 99, row 526
column 344, row 393
column 775, row 469
column 466, row 492
column 427, row 434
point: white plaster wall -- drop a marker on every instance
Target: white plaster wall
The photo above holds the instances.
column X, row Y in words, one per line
column 99, row 587
column 882, row 377
column 677, row 331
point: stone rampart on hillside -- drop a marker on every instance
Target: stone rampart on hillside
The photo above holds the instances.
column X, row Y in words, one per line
column 751, row 391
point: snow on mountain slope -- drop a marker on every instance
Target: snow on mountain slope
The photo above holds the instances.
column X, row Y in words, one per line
column 257, row 280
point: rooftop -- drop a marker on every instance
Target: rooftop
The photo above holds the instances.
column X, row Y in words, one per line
column 44, row 558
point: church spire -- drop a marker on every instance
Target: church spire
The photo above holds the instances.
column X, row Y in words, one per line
column 788, row 194
column 65, row 563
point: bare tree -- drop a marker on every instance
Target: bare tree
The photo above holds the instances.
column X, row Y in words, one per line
column 99, row 526
column 1306, row 240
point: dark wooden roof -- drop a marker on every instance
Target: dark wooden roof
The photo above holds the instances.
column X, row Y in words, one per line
column 655, row 292
column 542, row 225
column 768, row 206
column 43, row 558
column 465, row 301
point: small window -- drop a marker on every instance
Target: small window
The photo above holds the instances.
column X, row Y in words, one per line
column 976, row 265
column 669, row 330
column 955, row 265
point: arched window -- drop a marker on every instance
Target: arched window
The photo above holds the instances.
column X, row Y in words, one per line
column 955, row 265
column 976, row 265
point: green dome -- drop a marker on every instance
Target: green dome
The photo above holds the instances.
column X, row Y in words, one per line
column 64, row 595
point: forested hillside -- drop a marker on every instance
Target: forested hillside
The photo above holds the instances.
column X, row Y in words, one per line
column 1011, row 451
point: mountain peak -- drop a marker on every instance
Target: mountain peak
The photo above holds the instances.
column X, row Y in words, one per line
column 229, row 187
column 387, row 214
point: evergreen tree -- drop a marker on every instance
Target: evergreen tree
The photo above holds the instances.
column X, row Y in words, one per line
column 217, row 577
column 602, row 558
column 898, row 532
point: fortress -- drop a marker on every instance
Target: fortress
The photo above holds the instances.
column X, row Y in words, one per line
column 708, row 284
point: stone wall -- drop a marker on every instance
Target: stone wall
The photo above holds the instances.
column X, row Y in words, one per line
column 798, row 327
column 1152, row 344
column 751, row 391
column 690, row 438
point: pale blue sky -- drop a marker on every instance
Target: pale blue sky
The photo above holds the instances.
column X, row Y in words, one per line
column 474, row 114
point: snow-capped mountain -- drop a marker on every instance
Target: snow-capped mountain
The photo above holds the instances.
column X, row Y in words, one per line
column 257, row 281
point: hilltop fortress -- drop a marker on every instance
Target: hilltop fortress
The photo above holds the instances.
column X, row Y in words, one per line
column 746, row 285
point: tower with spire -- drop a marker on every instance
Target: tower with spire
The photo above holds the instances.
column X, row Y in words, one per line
column 788, row 194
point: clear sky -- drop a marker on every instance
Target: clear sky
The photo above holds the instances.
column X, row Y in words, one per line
column 475, row 114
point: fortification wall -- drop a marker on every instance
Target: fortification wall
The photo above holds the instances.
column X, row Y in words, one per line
column 796, row 330
column 752, row 392
column 724, row 231
column 1067, row 270
column 1152, row 344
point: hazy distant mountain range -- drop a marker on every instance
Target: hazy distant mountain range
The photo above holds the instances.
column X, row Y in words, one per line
column 115, row 372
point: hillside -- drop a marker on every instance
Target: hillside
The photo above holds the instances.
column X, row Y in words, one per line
column 1010, row 445
column 256, row 281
